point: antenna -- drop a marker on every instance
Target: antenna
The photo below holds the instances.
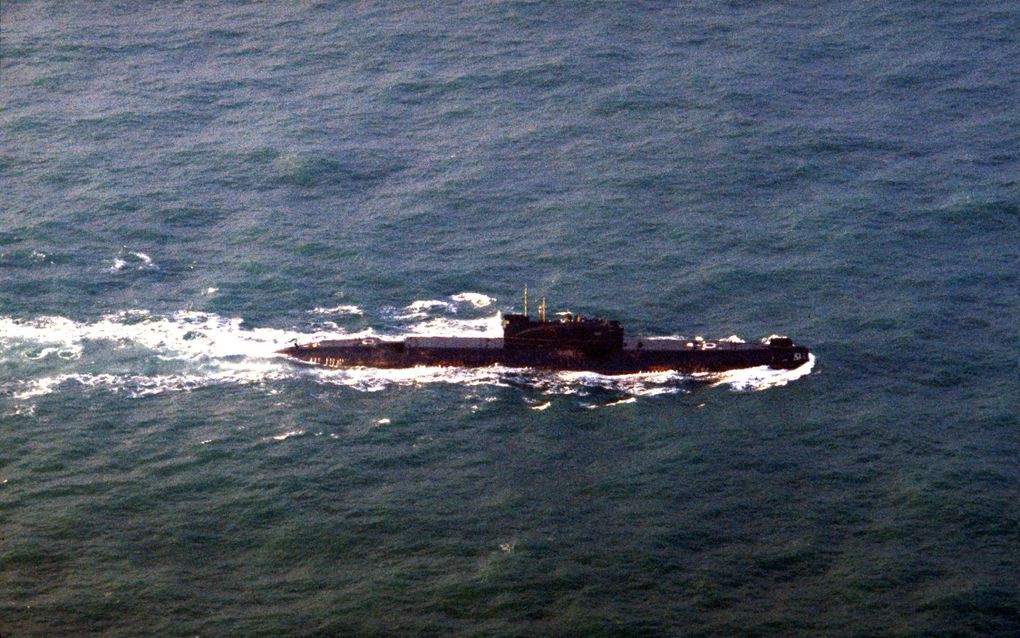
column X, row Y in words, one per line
column 525, row 300
column 541, row 310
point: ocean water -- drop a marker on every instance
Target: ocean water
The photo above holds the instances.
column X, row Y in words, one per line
column 187, row 187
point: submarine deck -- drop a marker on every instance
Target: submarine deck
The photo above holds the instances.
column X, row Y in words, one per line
column 637, row 355
column 496, row 343
column 655, row 344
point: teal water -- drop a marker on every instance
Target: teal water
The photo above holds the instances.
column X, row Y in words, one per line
column 186, row 188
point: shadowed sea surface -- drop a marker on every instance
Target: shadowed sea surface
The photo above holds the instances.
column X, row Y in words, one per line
column 187, row 187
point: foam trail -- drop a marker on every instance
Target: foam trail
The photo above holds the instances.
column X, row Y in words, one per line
column 184, row 335
column 762, row 377
column 53, row 331
column 196, row 349
column 39, row 387
column 643, row 384
column 377, row 380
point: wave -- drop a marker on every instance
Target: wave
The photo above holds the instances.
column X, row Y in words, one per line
column 188, row 350
column 476, row 299
column 338, row 310
column 491, row 326
column 132, row 259
column 424, row 307
column 421, row 308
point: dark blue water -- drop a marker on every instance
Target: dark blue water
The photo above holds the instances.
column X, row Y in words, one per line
column 185, row 188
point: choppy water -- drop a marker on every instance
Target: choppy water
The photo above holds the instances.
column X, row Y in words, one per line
column 185, row 188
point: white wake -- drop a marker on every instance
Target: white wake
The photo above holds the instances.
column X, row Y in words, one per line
column 140, row 353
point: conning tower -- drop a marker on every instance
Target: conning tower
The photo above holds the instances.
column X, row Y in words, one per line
column 592, row 336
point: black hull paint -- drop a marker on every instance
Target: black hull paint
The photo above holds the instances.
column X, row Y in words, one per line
column 646, row 355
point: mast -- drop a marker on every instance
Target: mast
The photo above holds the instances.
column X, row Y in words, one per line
column 525, row 300
column 541, row 310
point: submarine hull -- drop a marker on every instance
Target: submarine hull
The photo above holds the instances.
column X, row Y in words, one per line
column 636, row 355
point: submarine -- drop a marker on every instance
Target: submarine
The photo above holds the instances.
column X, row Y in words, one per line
column 568, row 342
